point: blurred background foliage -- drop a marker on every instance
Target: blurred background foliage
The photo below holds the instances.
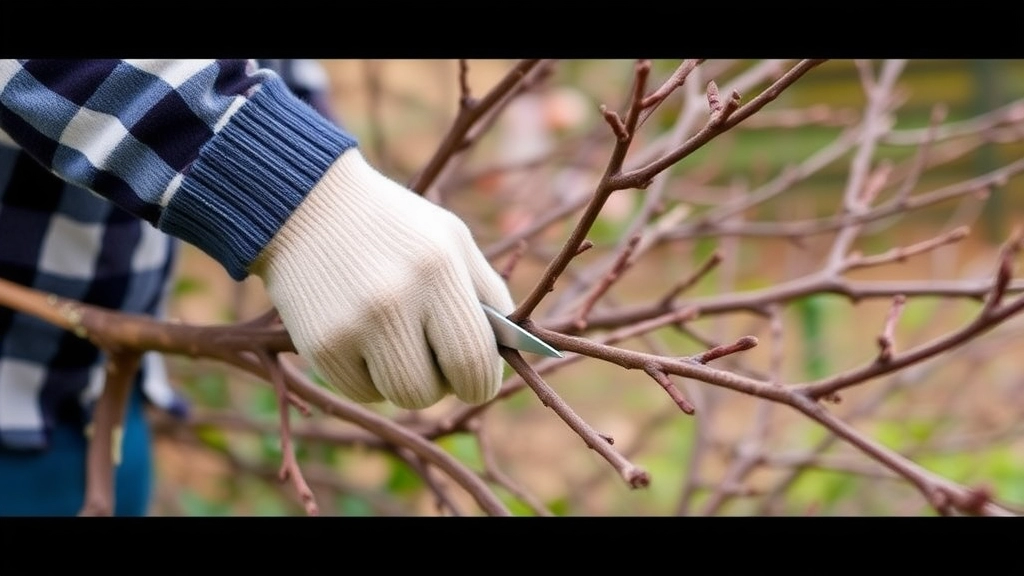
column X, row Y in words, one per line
column 957, row 415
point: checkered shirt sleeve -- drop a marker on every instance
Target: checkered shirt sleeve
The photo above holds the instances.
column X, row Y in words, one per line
column 122, row 130
column 215, row 152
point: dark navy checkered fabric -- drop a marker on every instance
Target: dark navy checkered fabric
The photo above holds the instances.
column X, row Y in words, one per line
column 147, row 140
column 216, row 153
column 63, row 239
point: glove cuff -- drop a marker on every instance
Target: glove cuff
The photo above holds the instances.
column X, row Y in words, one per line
column 252, row 175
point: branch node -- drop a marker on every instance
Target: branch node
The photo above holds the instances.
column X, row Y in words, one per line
column 940, row 500
column 976, row 499
column 666, row 383
column 621, row 264
column 466, row 99
column 290, row 468
column 720, row 111
column 513, row 259
column 714, row 100
column 744, row 343
column 887, row 340
column 675, row 81
column 1004, row 273
column 613, row 120
column 637, row 478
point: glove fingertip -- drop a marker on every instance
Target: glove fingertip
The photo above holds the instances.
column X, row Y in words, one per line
column 481, row 390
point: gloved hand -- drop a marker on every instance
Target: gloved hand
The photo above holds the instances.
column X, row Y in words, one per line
column 380, row 290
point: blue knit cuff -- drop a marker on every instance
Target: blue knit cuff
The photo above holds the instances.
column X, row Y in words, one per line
column 251, row 176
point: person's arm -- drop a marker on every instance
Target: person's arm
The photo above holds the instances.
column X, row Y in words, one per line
column 378, row 287
column 217, row 153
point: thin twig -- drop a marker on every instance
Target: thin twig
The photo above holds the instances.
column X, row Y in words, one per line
column 290, row 468
column 634, row 476
column 467, row 117
column 887, row 340
column 106, row 432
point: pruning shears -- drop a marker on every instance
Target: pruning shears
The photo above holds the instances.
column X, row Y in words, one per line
column 509, row 334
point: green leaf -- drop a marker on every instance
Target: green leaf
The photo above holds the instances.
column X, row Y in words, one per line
column 209, row 389
column 519, row 401
column 604, row 231
column 186, row 285
column 515, row 506
column 836, row 486
column 825, row 488
column 195, row 505
column 666, row 472
column 464, row 447
column 891, row 434
column 270, row 504
column 270, row 447
column 559, row 506
column 354, row 506
column 403, row 480
column 920, row 430
column 958, row 467
column 919, row 311
column 813, row 312
column 703, row 248
column 1003, row 469
column 263, row 401
column 903, row 434
column 212, row 437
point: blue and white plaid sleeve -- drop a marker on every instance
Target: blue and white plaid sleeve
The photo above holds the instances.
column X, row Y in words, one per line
column 215, row 152
column 57, row 238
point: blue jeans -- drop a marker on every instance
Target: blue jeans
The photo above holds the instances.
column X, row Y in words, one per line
column 52, row 482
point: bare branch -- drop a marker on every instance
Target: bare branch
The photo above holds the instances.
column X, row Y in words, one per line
column 806, row 228
column 464, row 122
column 981, row 324
column 674, row 81
column 887, row 341
column 613, row 120
column 686, row 342
column 289, row 465
column 514, row 259
column 466, row 99
column 921, row 157
column 663, row 380
column 703, row 270
column 902, row 253
column 106, row 433
column 1004, row 270
column 613, row 180
column 635, row 178
column 744, row 343
column 621, row 264
column 634, row 477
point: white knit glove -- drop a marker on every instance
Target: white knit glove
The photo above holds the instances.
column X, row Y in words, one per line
column 380, row 290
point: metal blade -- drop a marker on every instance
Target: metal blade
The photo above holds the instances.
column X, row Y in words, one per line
column 509, row 334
